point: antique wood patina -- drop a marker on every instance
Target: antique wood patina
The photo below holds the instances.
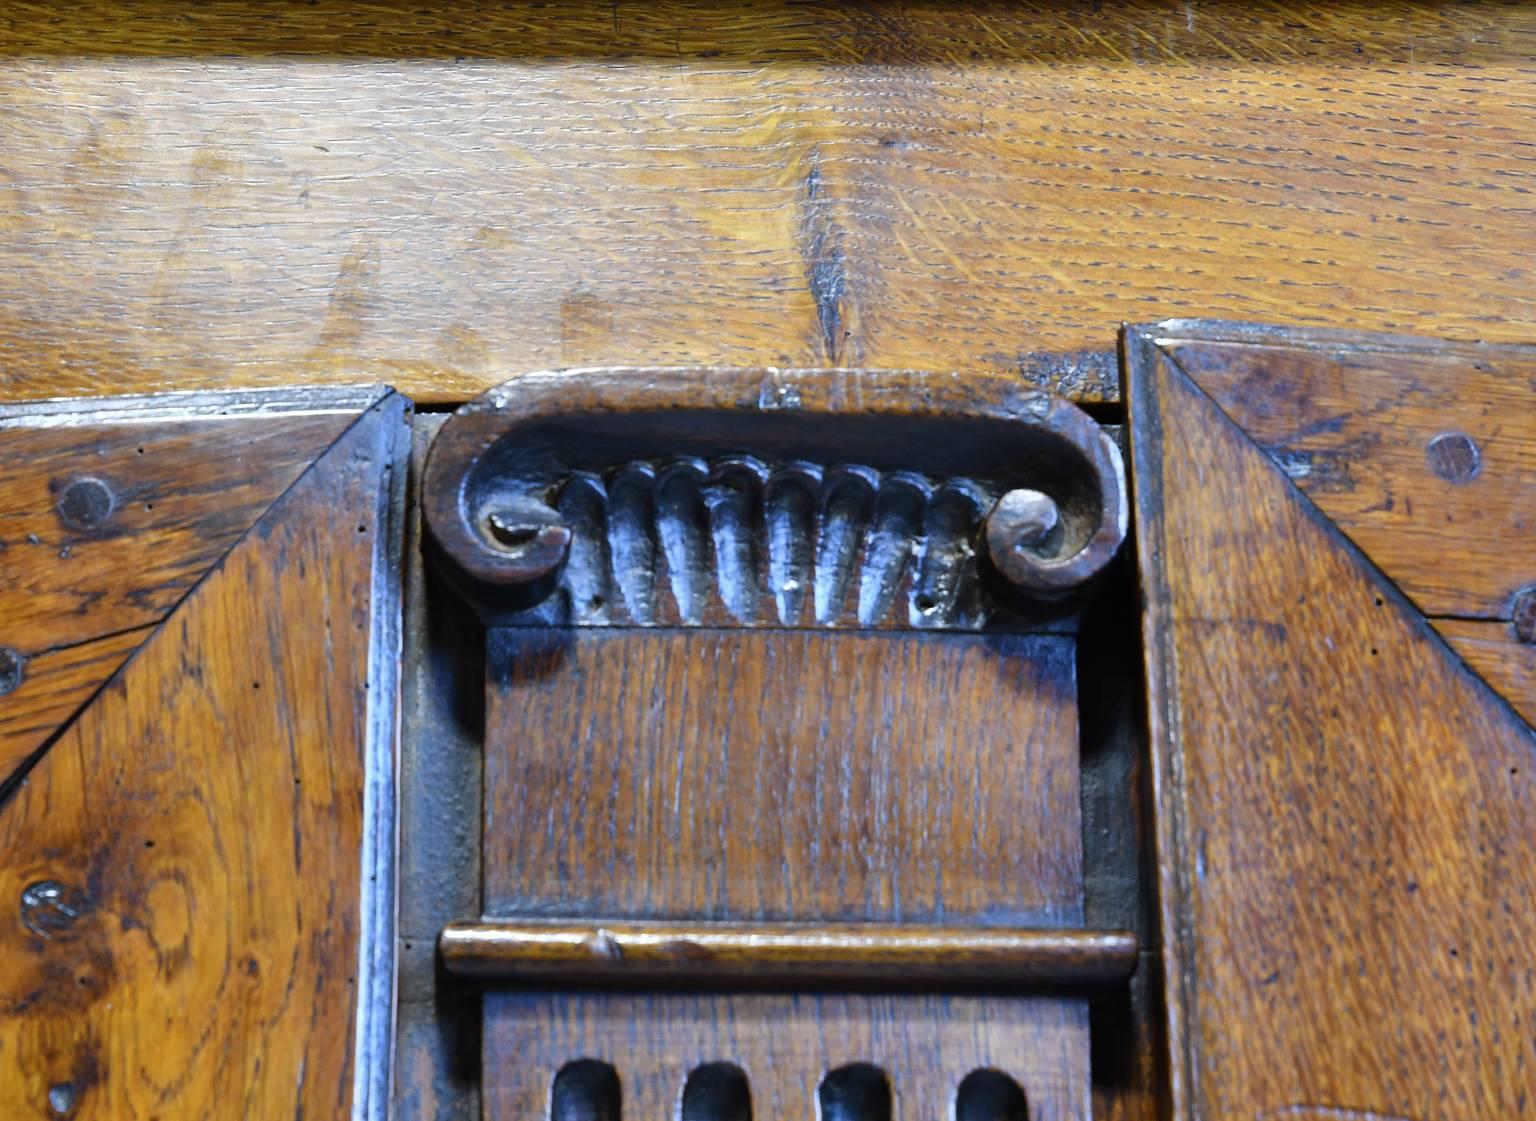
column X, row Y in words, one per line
column 780, row 683
column 438, row 195
column 1344, row 807
column 1422, row 452
column 198, row 858
column 112, row 510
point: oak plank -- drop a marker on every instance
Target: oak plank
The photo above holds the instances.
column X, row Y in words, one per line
column 782, row 775
column 438, row 195
column 216, row 825
column 1344, row 810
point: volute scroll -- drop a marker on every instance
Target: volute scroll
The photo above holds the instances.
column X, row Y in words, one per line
column 848, row 499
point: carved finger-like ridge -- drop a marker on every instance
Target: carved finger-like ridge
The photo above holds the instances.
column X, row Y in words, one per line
column 733, row 541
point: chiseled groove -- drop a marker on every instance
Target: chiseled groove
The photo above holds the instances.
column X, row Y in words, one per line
column 583, row 503
column 790, row 511
column 632, row 528
column 680, row 521
column 897, row 521
column 946, row 590
column 734, row 497
column 848, row 501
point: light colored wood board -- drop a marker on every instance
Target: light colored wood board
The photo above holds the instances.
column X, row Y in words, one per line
column 182, row 483
column 441, row 196
column 785, row 1045
column 1423, row 453
column 1344, row 810
column 53, row 687
column 782, row 775
column 211, row 823
column 1499, row 658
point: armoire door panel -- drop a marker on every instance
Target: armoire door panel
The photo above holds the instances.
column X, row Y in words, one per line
column 201, row 858
column 1345, row 810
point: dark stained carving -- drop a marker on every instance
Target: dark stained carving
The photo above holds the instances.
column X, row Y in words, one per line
column 771, row 498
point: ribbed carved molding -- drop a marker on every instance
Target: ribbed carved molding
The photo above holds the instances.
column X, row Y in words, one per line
column 785, row 498
column 736, row 540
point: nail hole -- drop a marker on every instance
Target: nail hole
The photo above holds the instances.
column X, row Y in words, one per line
column 857, row 1092
column 716, row 1092
column 585, row 1090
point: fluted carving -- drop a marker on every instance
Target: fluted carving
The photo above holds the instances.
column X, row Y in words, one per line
column 733, row 540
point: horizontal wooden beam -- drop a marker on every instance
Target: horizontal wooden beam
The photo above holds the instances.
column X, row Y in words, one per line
column 908, row 956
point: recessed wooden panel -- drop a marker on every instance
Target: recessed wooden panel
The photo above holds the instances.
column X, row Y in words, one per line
column 786, row 1046
column 433, row 195
column 197, row 875
column 1344, row 810
column 783, row 775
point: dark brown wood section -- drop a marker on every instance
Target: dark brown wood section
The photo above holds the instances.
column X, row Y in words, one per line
column 780, row 691
column 906, row 955
column 789, row 1050
column 1344, row 809
column 197, row 874
column 1422, row 452
column 433, row 194
column 111, row 511
column 783, row 775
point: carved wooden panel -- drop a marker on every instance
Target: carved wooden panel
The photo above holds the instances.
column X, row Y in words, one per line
column 1345, row 810
column 780, row 689
column 198, row 867
column 858, row 1057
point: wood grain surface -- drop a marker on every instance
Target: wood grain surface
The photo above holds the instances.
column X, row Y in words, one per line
column 54, row 686
column 782, row 775
column 1344, row 810
column 1423, row 452
column 113, row 509
column 785, row 1046
column 438, row 195
column 190, row 871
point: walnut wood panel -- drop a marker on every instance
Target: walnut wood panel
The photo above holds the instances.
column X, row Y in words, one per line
column 431, row 195
column 1344, row 810
column 782, row 775
column 113, row 509
column 196, row 874
column 1423, row 452
column 925, row 1046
